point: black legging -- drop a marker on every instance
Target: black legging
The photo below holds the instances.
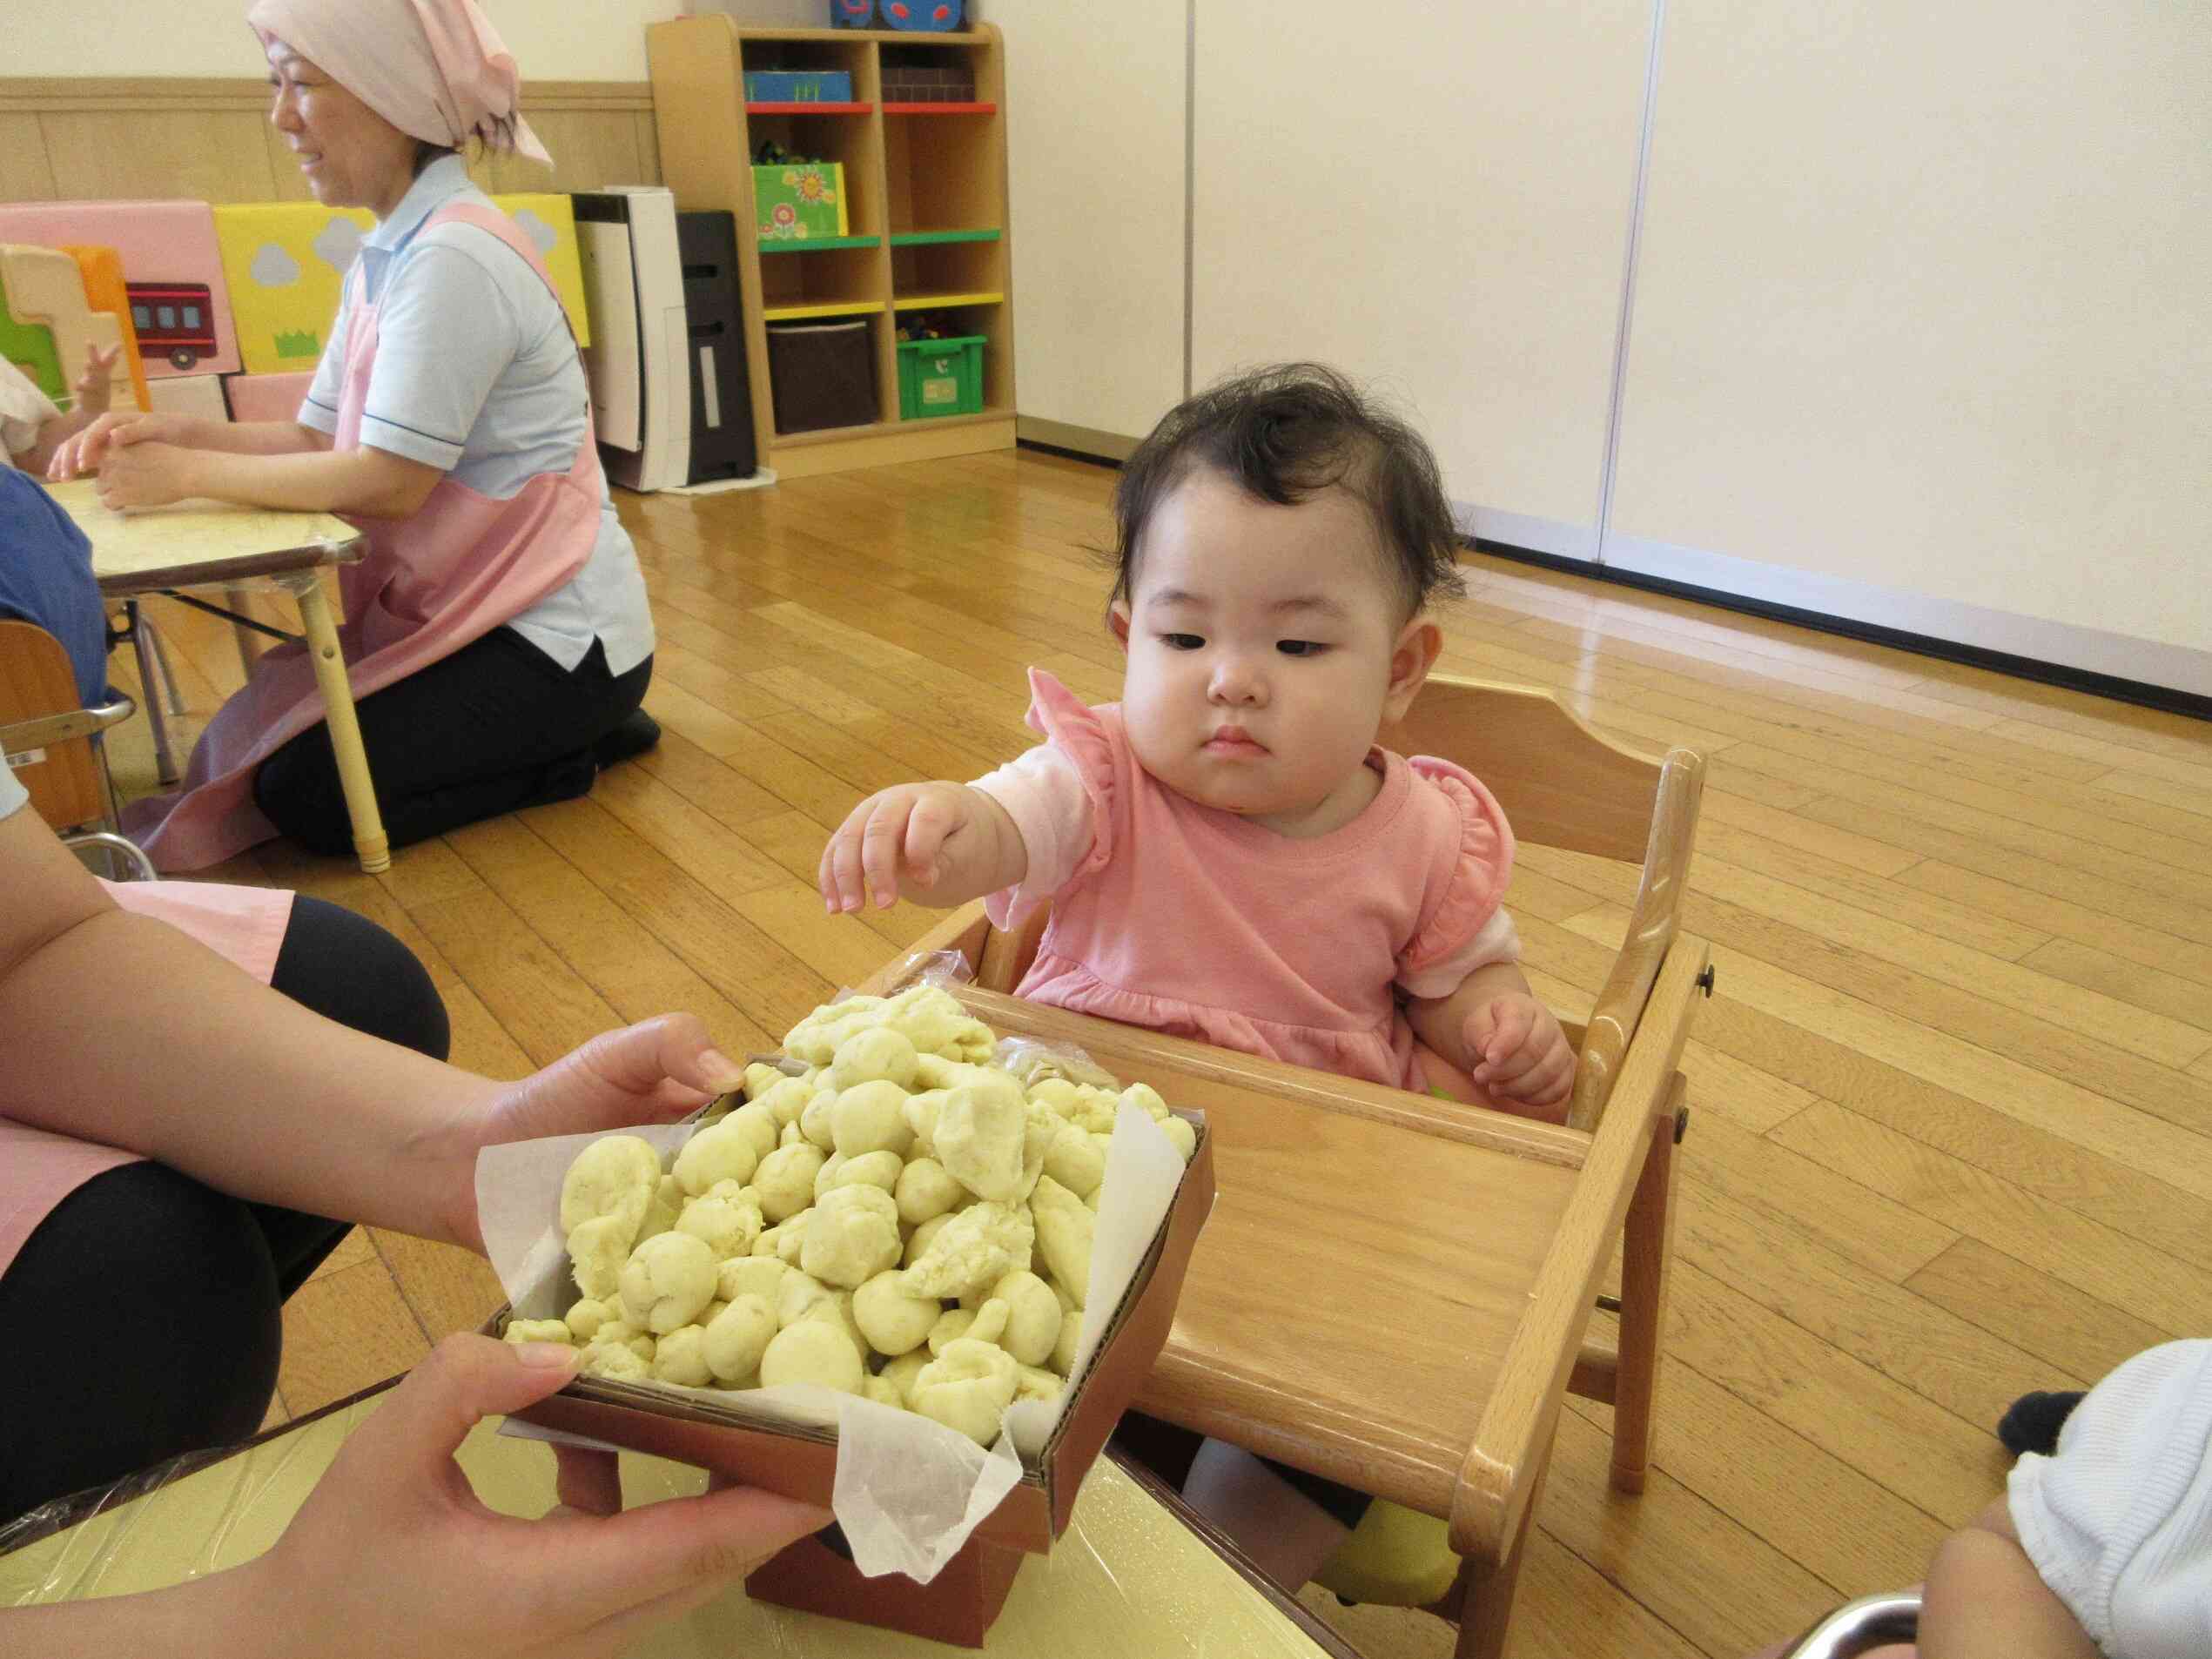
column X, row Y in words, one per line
column 144, row 1308
column 494, row 727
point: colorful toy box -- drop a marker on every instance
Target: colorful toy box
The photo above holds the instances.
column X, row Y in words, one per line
column 925, row 16
column 797, row 199
column 286, row 263
column 47, row 328
column 940, row 377
column 171, row 269
column 798, row 86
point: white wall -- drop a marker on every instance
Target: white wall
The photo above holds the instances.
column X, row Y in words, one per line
column 593, row 40
column 1924, row 303
column 1436, row 199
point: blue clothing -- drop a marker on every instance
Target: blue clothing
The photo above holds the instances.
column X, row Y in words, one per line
column 46, row 578
column 477, row 374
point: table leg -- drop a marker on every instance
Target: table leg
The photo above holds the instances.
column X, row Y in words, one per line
column 239, row 598
column 150, row 686
column 369, row 842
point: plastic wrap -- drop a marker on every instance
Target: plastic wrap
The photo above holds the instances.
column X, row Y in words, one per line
column 1126, row 1578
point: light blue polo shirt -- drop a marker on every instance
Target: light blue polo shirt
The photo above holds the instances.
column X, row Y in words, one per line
column 476, row 375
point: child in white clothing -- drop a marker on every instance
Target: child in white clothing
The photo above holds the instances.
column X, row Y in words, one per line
column 1229, row 854
column 32, row 426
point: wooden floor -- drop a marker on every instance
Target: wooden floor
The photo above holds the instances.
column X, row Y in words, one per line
column 1950, row 1107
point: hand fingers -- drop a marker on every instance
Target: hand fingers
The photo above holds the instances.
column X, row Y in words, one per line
column 1545, row 1081
column 935, row 821
column 879, row 845
column 638, row 1059
column 606, row 1568
column 840, row 874
column 413, row 1436
column 1507, row 1018
column 586, row 1481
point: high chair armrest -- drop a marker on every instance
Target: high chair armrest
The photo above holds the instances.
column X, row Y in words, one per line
column 1493, row 1490
column 61, row 728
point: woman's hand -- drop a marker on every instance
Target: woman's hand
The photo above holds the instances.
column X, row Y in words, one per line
column 85, row 450
column 138, row 474
column 394, row 1556
column 1519, row 1050
column 651, row 1072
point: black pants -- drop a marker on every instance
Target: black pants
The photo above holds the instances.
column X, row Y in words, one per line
column 497, row 726
column 143, row 1309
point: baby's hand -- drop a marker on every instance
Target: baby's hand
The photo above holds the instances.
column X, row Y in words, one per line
column 908, row 830
column 1519, row 1050
column 95, row 386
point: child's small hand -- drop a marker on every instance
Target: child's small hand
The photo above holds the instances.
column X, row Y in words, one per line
column 905, row 829
column 1517, row 1051
column 95, row 386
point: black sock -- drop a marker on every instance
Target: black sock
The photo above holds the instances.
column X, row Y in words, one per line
column 638, row 732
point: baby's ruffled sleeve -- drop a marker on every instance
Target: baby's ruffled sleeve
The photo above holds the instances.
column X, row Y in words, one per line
column 1060, row 796
column 1463, row 926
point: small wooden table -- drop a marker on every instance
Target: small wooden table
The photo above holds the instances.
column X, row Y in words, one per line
column 1137, row 1573
column 214, row 544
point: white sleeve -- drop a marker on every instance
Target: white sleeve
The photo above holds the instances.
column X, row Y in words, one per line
column 13, row 797
column 23, row 409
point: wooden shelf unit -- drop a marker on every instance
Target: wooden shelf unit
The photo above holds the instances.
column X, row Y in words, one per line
column 926, row 197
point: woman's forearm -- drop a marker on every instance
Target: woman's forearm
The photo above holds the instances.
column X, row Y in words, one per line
column 252, row 437
column 215, row 1616
column 307, row 1113
column 368, row 483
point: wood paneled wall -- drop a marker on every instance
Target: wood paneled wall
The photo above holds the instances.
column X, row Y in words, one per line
column 109, row 139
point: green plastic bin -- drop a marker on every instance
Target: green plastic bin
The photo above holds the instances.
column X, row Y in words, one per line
column 940, row 377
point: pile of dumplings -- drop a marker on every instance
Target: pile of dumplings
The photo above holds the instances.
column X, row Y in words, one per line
column 900, row 1219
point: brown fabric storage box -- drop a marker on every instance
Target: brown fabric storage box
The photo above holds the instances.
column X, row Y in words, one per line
column 822, row 374
column 959, row 1604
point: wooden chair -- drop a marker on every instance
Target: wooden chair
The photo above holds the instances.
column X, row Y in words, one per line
column 54, row 741
column 1452, row 1414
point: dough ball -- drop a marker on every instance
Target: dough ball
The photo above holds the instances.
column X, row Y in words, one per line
column 1075, row 1161
column 1031, row 1383
column 814, row 1122
column 1147, row 1099
column 729, row 1151
column 1064, row 1226
column 1062, row 1355
column 981, row 1135
column 681, row 1358
column 901, row 1373
column 727, row 1222
column 851, row 1236
column 879, row 1170
column 739, row 1336
column 757, row 1125
column 812, row 1351
column 892, row 1319
column 616, row 1364
column 968, row 1387
column 785, row 1180
column 837, row 1309
column 1180, row 1135
column 661, row 1213
column 975, row 1247
column 760, row 1276
column 799, row 1293
column 871, row 1117
column 924, row 1190
column 614, row 1175
column 785, row 1099
column 876, row 1054
column 1057, row 1093
column 790, row 1238
column 759, row 1077
column 668, row 1281
column 1032, row 1317
column 597, row 1249
column 983, row 1324
column 884, row 1392
column 919, row 1241
column 584, row 1318
column 920, row 1112
column 521, row 1331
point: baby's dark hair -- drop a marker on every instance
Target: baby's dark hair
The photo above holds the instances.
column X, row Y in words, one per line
column 1283, row 434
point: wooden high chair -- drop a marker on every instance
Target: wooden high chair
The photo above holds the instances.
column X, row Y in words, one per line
column 1393, row 1290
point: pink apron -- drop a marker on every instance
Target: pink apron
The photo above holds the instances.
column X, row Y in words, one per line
column 247, row 924
column 464, row 564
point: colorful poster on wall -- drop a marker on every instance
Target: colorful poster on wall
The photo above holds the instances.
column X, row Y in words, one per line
column 172, row 270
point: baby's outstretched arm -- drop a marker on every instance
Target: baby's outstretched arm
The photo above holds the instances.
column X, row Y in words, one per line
column 948, row 841
column 1494, row 1029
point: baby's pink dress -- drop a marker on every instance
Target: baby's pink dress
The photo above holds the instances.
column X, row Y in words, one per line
column 1185, row 920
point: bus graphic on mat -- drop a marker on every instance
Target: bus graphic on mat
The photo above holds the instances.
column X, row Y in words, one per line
column 174, row 319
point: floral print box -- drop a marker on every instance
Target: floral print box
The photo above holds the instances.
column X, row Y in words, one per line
column 799, row 199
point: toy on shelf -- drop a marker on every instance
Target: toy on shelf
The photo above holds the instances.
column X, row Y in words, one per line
column 796, row 199
column 798, row 86
column 926, row 16
column 925, row 83
column 105, row 291
column 172, row 273
column 852, row 14
column 46, row 327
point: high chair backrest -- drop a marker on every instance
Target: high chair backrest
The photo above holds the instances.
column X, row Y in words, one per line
column 47, row 731
column 1563, row 785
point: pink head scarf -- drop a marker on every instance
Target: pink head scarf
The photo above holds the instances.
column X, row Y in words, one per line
column 435, row 69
